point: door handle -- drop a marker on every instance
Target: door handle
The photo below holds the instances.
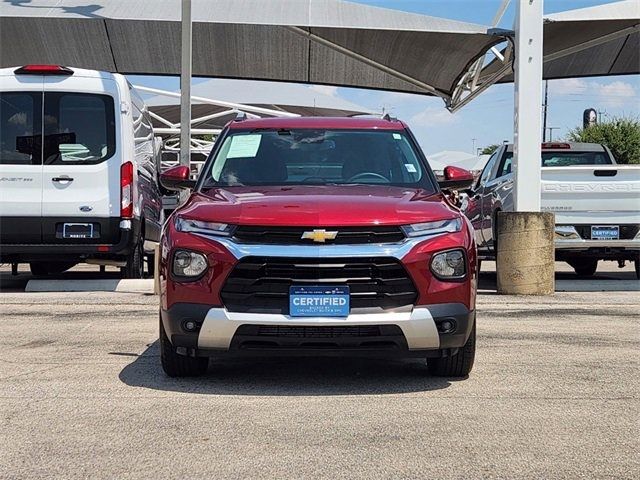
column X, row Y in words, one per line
column 62, row 179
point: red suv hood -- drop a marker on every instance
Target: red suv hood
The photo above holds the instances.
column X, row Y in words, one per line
column 322, row 206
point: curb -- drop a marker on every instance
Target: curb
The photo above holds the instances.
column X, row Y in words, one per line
column 108, row 285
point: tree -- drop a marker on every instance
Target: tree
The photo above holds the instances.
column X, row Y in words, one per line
column 621, row 135
column 489, row 149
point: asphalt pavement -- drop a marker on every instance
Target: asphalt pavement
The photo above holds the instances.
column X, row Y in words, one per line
column 554, row 394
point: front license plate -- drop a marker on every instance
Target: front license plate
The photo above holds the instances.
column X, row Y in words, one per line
column 319, row 301
column 77, row 230
column 605, row 233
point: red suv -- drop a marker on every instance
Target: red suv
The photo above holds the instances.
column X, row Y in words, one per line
column 317, row 236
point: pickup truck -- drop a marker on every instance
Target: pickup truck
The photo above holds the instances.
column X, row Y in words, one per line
column 596, row 203
column 317, row 236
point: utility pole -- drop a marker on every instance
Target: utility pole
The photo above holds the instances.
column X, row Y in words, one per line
column 551, row 129
column 544, row 110
column 185, row 86
column 473, row 149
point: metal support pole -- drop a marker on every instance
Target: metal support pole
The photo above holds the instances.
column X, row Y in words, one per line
column 528, row 98
column 185, row 86
column 524, row 250
column 545, row 106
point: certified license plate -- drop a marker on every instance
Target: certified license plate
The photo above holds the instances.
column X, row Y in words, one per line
column 319, row 301
column 605, row 232
column 77, row 230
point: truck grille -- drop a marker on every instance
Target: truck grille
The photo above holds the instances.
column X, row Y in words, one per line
column 627, row 232
column 293, row 235
column 285, row 337
column 261, row 284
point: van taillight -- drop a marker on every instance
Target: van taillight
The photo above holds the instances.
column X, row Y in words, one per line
column 126, row 190
column 43, row 70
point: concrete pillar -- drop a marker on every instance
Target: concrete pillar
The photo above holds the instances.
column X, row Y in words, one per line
column 525, row 260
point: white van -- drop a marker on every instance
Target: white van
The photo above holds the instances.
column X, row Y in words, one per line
column 78, row 171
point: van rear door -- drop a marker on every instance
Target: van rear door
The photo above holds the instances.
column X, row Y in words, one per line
column 20, row 160
column 81, row 161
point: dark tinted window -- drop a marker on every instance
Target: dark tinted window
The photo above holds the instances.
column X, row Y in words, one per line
column 79, row 128
column 20, row 128
column 562, row 159
column 569, row 158
column 317, row 157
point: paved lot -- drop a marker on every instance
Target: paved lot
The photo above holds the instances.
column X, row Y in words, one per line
column 554, row 394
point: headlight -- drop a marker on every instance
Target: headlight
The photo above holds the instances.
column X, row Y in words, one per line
column 188, row 264
column 433, row 228
column 449, row 265
column 207, row 228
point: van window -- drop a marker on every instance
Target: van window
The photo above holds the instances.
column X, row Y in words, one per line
column 20, row 128
column 79, row 128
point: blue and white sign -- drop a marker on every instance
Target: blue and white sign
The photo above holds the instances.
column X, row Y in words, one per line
column 319, row 301
column 605, row 233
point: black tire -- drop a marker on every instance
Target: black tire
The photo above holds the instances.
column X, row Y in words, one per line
column 50, row 268
column 135, row 262
column 39, row 269
column 175, row 365
column 585, row 267
column 458, row 365
column 637, row 262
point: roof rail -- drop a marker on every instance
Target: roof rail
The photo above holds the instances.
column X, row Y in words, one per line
column 240, row 117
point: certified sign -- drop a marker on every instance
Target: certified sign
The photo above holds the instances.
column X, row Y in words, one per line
column 319, row 301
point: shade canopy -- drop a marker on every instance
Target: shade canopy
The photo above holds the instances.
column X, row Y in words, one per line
column 315, row 41
column 329, row 42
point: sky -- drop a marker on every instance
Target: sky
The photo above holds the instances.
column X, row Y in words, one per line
column 489, row 118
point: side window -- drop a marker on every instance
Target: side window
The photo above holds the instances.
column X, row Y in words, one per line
column 79, row 128
column 488, row 168
column 20, row 128
column 505, row 165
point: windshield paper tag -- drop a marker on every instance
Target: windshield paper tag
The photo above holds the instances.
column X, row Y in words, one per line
column 397, row 136
column 410, row 168
column 244, row 146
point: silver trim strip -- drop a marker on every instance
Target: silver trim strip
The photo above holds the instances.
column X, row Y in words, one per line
column 418, row 325
column 561, row 244
column 395, row 250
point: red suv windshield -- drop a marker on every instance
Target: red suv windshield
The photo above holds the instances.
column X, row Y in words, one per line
column 316, row 157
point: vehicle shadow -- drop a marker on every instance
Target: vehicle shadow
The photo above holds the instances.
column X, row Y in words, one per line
column 288, row 376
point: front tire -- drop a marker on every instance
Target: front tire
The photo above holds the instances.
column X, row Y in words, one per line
column 175, row 365
column 457, row 365
column 637, row 262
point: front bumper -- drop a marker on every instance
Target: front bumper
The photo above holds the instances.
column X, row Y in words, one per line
column 217, row 331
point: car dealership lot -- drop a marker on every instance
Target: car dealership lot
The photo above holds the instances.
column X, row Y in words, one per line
column 554, row 393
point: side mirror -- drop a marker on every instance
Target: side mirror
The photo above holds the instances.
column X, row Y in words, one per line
column 177, row 178
column 456, row 178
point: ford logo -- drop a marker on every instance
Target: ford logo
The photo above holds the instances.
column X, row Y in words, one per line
column 86, row 208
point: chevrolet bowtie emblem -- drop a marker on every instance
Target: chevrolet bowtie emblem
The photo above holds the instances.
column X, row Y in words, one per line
column 319, row 236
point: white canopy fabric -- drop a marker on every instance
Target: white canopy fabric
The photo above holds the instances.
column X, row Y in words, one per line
column 440, row 160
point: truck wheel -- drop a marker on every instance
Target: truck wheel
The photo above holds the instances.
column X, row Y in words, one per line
column 175, row 365
column 135, row 262
column 585, row 268
column 50, row 268
column 638, row 268
column 458, row 365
